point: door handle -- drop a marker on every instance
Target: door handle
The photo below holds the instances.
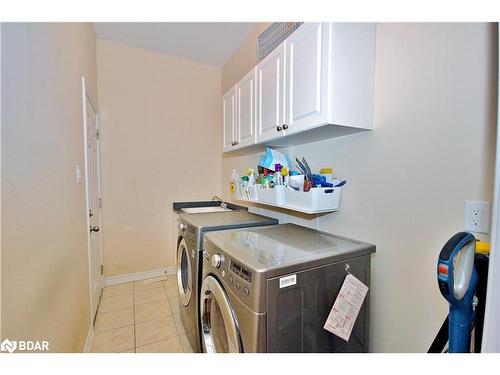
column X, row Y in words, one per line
column 279, row 128
column 94, row 229
column 285, row 126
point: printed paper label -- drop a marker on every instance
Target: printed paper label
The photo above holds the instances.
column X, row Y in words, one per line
column 346, row 307
column 288, row 281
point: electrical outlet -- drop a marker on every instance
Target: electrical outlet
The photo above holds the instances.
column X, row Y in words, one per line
column 477, row 216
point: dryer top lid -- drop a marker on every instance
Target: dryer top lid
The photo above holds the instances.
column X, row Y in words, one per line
column 285, row 245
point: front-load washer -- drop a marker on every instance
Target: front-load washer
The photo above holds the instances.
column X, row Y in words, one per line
column 271, row 289
column 192, row 228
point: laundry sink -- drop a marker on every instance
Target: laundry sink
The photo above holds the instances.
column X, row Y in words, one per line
column 200, row 210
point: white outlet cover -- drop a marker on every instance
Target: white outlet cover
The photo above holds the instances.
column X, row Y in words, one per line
column 481, row 224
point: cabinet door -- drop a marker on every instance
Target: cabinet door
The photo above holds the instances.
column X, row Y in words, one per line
column 270, row 95
column 246, row 110
column 308, row 55
column 228, row 120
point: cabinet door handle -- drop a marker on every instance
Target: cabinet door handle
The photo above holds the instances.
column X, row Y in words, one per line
column 285, row 126
column 279, row 128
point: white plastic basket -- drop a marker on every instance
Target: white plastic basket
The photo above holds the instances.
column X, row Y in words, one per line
column 315, row 199
column 275, row 195
column 250, row 193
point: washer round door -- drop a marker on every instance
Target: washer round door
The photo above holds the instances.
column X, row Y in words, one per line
column 220, row 332
column 184, row 273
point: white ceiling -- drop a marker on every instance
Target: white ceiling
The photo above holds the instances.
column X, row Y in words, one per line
column 210, row 43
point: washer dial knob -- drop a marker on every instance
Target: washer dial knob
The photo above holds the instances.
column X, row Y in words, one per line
column 216, row 260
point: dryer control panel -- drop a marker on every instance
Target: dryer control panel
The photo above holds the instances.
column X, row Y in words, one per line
column 240, row 277
column 241, row 271
column 237, row 277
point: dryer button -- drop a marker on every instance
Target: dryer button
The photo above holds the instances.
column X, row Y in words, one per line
column 246, row 291
column 237, row 285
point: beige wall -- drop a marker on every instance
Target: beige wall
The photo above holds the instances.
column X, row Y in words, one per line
column 431, row 149
column 45, row 293
column 243, row 60
column 161, row 126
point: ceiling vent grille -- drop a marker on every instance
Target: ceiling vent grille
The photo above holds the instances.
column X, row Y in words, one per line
column 273, row 36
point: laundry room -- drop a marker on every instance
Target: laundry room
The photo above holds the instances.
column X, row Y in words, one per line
column 195, row 186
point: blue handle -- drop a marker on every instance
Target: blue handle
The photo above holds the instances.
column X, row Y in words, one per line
column 461, row 323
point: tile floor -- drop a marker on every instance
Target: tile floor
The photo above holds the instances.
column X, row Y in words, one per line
column 140, row 317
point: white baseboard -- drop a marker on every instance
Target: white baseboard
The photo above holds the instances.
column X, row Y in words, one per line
column 120, row 279
column 88, row 341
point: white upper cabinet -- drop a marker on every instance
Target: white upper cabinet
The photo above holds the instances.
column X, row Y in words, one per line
column 246, row 110
column 353, row 74
column 271, row 95
column 229, row 120
column 307, row 75
column 323, row 74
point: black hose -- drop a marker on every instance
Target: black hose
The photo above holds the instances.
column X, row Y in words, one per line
column 481, row 263
column 441, row 339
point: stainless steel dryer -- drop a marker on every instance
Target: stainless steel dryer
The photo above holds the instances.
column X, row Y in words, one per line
column 271, row 290
column 192, row 228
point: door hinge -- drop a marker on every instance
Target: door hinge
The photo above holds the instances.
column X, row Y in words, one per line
column 99, row 202
column 102, row 269
column 97, row 133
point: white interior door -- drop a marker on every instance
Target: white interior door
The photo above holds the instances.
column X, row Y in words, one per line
column 93, row 199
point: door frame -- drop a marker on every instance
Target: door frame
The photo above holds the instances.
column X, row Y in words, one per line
column 491, row 338
column 86, row 99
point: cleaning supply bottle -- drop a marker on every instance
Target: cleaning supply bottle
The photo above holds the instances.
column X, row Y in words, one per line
column 278, row 176
column 284, row 173
column 265, row 180
column 235, row 185
column 251, row 176
column 327, row 173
